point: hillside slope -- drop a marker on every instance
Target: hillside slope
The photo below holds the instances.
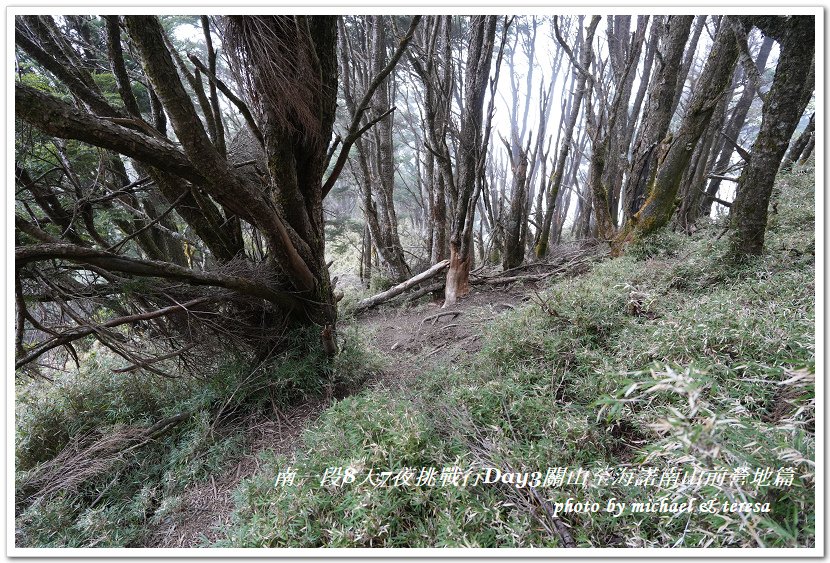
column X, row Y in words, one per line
column 670, row 361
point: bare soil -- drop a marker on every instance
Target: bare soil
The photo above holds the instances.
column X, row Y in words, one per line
column 206, row 507
column 419, row 338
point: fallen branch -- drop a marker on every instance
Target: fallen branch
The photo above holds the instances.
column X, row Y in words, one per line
column 401, row 287
column 434, row 318
column 438, row 286
column 497, row 280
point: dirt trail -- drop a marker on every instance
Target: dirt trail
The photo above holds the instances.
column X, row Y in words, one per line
column 413, row 339
column 418, row 338
column 206, row 506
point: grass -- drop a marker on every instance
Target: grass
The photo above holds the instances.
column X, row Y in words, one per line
column 672, row 359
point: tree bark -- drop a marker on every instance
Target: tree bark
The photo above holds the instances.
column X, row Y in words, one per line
column 691, row 188
column 800, row 144
column 733, row 128
column 658, row 112
column 479, row 56
column 514, row 248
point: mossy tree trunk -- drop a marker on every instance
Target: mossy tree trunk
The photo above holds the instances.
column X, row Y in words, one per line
column 515, row 230
column 657, row 113
column 791, row 89
column 691, row 192
column 675, row 152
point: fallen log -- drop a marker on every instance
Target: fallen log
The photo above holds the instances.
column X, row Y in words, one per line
column 401, row 287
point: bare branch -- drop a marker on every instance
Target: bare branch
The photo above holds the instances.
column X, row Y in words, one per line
column 80, row 332
column 568, row 51
column 233, row 98
column 354, row 131
column 746, row 58
column 151, row 268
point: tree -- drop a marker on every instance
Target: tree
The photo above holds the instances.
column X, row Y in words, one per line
column 522, row 161
column 800, row 145
column 785, row 102
column 733, row 129
column 624, row 58
column 376, row 171
column 605, row 137
column 585, row 55
column 658, row 112
column 469, row 156
column 432, row 62
column 259, row 234
column 675, row 152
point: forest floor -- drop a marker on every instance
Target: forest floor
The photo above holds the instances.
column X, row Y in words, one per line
column 410, row 340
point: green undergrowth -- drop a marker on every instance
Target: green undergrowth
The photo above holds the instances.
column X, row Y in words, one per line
column 118, row 501
column 670, row 359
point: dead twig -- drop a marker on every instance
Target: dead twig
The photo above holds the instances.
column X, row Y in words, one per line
column 434, row 318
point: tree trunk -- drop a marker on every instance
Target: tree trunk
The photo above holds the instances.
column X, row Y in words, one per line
column 691, row 189
column 585, row 55
column 605, row 138
column 377, row 173
column 434, row 68
column 686, row 65
column 514, row 247
column 800, row 144
column 785, row 102
column 657, row 114
column 733, row 128
column 401, row 287
column 480, row 52
column 622, row 132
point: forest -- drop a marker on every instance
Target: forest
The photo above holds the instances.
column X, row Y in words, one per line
column 414, row 281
